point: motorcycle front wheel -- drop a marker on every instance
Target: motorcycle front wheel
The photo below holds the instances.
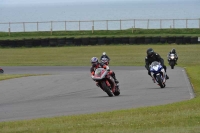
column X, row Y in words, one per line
column 106, row 89
column 172, row 64
column 159, row 80
column 1, row 71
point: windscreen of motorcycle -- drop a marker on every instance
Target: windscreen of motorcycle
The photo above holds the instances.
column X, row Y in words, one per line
column 172, row 56
column 155, row 66
column 99, row 72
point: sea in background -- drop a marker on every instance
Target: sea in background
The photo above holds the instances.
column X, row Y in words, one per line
column 185, row 9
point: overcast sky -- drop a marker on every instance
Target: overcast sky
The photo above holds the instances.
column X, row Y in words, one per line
column 21, row 2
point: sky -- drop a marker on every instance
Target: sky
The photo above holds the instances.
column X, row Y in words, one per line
column 30, row 2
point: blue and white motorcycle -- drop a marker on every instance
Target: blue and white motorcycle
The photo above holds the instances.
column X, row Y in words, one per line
column 158, row 73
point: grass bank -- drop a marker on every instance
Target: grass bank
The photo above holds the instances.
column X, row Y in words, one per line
column 121, row 55
column 181, row 117
column 100, row 33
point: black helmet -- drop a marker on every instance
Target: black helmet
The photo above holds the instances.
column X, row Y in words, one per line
column 173, row 51
column 149, row 51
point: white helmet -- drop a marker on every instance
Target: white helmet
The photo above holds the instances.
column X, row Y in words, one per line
column 104, row 53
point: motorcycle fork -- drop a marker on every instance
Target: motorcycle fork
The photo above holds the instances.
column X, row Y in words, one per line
column 109, row 85
column 107, row 82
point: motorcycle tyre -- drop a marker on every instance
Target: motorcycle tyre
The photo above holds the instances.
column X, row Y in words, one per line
column 172, row 64
column 117, row 91
column 160, row 81
column 107, row 89
column 1, row 71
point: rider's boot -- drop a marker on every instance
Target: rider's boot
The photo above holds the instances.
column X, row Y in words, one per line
column 113, row 75
column 116, row 81
column 97, row 84
column 167, row 77
column 153, row 80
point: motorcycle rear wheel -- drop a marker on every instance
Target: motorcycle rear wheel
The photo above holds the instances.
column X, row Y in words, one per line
column 107, row 89
column 172, row 64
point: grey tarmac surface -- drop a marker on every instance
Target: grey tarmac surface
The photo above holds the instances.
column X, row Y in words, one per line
column 71, row 91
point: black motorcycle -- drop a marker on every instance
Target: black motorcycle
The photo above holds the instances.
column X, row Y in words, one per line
column 172, row 60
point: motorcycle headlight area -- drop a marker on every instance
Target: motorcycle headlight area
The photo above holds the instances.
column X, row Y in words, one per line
column 98, row 72
column 155, row 68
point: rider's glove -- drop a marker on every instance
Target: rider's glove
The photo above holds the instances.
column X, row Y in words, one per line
column 92, row 76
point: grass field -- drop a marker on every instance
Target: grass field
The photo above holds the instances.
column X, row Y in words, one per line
column 100, row 33
column 181, row 117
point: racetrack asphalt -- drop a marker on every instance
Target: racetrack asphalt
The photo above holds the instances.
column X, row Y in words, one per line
column 70, row 91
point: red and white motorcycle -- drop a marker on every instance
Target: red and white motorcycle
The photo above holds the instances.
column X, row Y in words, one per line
column 106, row 82
column 1, row 70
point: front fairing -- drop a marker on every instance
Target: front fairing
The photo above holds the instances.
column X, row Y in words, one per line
column 155, row 67
column 172, row 57
column 100, row 73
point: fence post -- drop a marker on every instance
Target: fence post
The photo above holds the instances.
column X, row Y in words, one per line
column 93, row 29
column 199, row 23
column 79, row 25
column 9, row 29
column 186, row 23
column 107, row 24
column 93, row 26
column 120, row 24
column 173, row 23
column 37, row 26
column 134, row 23
column 51, row 27
column 65, row 26
column 160, row 23
column 148, row 24
column 24, row 26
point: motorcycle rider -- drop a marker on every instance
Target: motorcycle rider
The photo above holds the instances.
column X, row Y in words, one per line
column 95, row 64
column 153, row 56
column 173, row 51
column 104, row 55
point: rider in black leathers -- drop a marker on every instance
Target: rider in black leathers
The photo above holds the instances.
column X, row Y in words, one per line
column 104, row 55
column 153, row 56
column 173, row 51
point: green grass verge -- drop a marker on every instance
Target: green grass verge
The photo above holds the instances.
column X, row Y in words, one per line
column 126, row 55
column 100, row 33
column 181, row 117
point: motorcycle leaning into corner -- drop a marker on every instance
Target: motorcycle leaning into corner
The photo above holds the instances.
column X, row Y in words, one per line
column 1, row 70
column 172, row 60
column 106, row 82
column 158, row 73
